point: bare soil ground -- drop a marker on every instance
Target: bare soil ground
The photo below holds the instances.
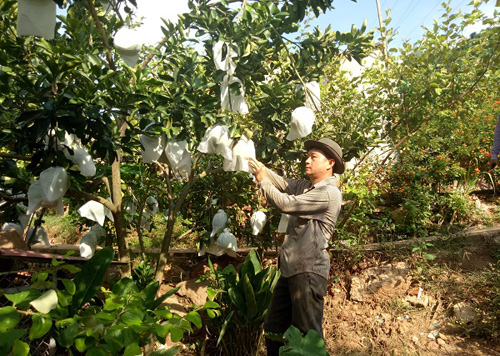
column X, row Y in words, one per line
column 385, row 323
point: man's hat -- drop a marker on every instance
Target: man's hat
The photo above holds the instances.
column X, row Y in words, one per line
column 331, row 149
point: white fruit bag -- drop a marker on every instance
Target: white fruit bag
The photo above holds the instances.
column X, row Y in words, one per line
column 82, row 159
column 154, row 148
column 40, row 236
column 178, row 155
column 95, row 211
column 48, row 190
column 216, row 140
column 219, row 222
column 258, row 220
column 227, row 242
column 223, row 57
column 242, row 151
column 231, row 101
column 11, row 225
column 313, row 96
column 36, row 18
column 89, row 241
column 128, row 44
column 302, row 123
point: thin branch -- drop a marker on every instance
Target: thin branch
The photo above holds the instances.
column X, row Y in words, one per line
column 14, row 156
column 103, row 34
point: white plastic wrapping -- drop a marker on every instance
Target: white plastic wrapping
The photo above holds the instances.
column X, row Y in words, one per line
column 258, row 220
column 154, row 148
column 90, row 240
column 152, row 205
column 302, row 123
column 24, row 218
column 227, row 242
column 242, row 151
column 36, row 18
column 48, row 190
column 40, row 236
column 283, row 224
column 219, row 222
column 95, row 211
column 313, row 96
column 82, row 159
column 128, row 44
column 12, row 225
column 216, row 140
column 179, row 156
column 231, row 101
column 221, row 61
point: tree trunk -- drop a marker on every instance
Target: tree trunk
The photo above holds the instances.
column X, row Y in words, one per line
column 120, row 227
column 163, row 258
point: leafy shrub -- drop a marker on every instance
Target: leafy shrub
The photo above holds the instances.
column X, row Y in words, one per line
column 244, row 297
column 117, row 322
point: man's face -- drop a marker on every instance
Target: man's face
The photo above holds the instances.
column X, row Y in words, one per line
column 317, row 165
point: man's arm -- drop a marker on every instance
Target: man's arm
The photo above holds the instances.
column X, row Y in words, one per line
column 308, row 205
column 260, row 171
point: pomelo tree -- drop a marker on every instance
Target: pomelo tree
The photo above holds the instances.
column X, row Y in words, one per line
column 76, row 83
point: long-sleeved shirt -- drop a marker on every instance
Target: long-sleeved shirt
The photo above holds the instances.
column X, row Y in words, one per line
column 313, row 211
column 495, row 150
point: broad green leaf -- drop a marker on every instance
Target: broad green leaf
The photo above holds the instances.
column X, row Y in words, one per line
column 195, row 318
column 150, row 294
column 176, row 334
column 161, row 331
column 211, row 304
column 90, row 278
column 132, row 350
column 69, row 285
column 97, row 351
column 125, row 286
column 252, row 308
column 41, row 326
column 20, row 348
column 18, row 297
column 131, row 318
column 46, row 302
column 9, row 318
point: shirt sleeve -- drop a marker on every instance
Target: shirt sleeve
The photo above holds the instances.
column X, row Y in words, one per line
column 307, row 205
column 283, row 185
column 495, row 150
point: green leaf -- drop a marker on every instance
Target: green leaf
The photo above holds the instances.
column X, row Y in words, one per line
column 211, row 304
column 7, row 338
column 195, row 318
column 90, row 278
column 160, row 300
column 69, row 285
column 176, row 334
column 131, row 318
column 20, row 348
column 18, row 298
column 46, row 302
column 125, row 286
column 167, row 352
column 252, row 308
column 9, row 318
column 41, row 326
column 224, row 327
column 97, row 351
column 296, row 345
column 132, row 350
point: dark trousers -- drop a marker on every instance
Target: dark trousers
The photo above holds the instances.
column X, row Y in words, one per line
column 296, row 301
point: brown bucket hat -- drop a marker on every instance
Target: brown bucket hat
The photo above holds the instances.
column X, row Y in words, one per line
column 331, row 149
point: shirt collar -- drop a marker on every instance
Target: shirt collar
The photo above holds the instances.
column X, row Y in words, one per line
column 327, row 181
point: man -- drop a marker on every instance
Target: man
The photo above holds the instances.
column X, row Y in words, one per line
column 313, row 206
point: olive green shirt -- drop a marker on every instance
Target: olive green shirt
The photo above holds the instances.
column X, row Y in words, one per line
column 313, row 211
